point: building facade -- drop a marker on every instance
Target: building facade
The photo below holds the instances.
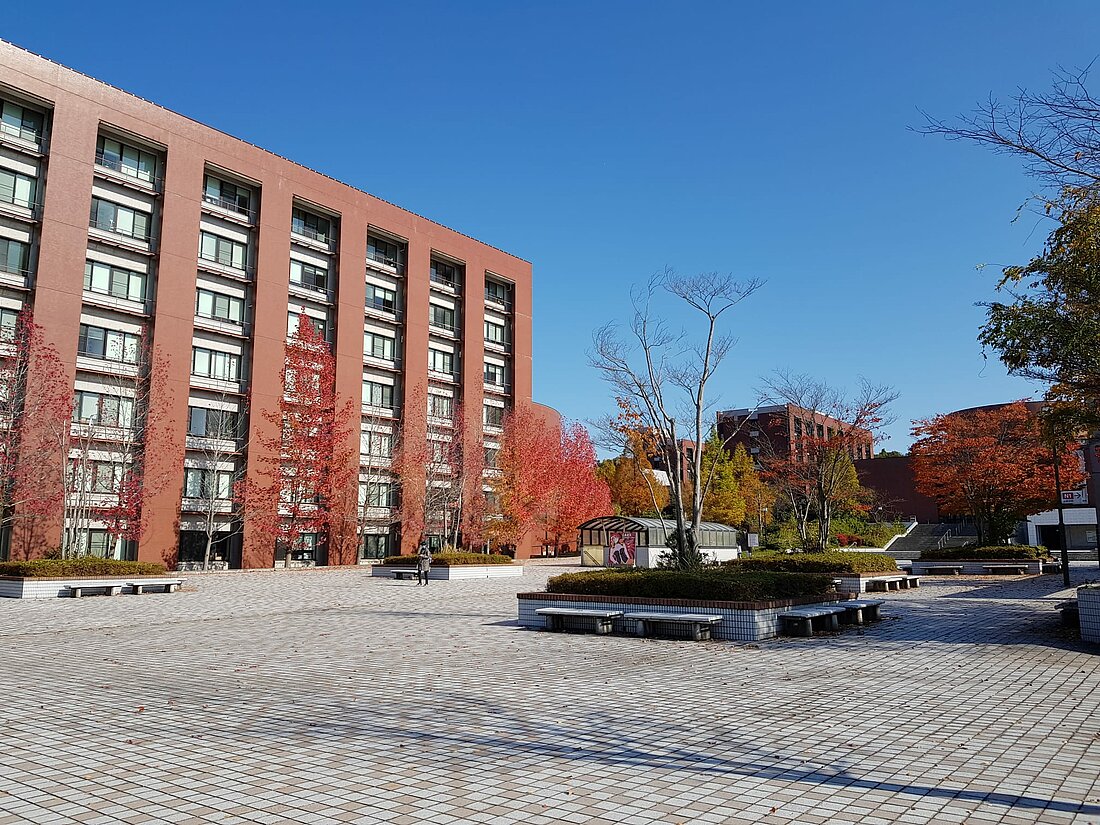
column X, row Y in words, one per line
column 781, row 429
column 129, row 229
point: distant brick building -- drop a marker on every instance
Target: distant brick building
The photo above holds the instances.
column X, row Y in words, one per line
column 781, row 429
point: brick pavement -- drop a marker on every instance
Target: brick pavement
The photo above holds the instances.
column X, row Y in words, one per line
column 331, row 697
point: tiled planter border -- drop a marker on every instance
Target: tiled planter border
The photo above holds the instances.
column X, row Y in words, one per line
column 50, row 587
column 1088, row 605
column 975, row 567
column 741, row 621
column 458, row 571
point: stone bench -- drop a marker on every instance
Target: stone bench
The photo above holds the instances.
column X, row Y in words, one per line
column 857, row 611
column 603, row 620
column 700, row 625
column 1007, row 569
column 405, row 574
column 1071, row 613
column 942, row 569
column 110, row 588
column 802, row 618
column 888, row 583
column 165, row 585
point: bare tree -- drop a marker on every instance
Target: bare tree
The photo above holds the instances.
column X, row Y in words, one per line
column 815, row 474
column 1056, row 133
column 665, row 374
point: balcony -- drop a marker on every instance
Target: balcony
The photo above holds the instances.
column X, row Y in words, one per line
column 14, row 276
column 492, row 297
column 452, row 377
column 22, row 139
column 498, row 346
column 110, row 232
column 445, row 284
column 312, row 238
column 101, row 364
column 16, row 207
column 443, row 330
column 382, row 363
column 225, row 208
column 381, row 309
column 211, row 263
column 218, row 446
column 383, row 263
column 114, row 169
column 501, row 388
column 211, row 323
column 379, row 411
column 108, row 301
column 312, row 292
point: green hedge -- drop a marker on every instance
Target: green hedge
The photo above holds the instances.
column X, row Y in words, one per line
column 833, row 563
column 452, row 559
column 82, row 566
column 714, row 584
column 1011, row 552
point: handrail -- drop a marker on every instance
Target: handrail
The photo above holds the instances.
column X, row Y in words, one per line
column 112, row 227
column 215, row 260
column 31, row 204
column 116, row 165
column 312, row 234
column 440, row 279
column 229, row 205
column 379, row 258
column 22, row 133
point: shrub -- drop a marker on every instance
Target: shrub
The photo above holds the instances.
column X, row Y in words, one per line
column 452, row 559
column 1009, row 552
column 81, row 566
column 715, row 584
column 830, row 562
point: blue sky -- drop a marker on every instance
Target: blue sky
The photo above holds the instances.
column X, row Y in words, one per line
column 604, row 141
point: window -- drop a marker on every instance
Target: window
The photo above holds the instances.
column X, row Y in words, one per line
column 121, row 220
column 14, row 256
column 381, row 298
column 491, row 454
column 8, row 320
column 208, row 363
column 17, row 189
column 310, row 225
column 309, row 276
column 820, row 430
column 100, row 408
column 376, row 494
column 440, row 406
column 129, row 160
column 20, row 122
column 439, row 452
column 207, row 484
column 319, row 324
column 495, row 291
column 379, row 445
column 494, row 416
column 227, row 195
column 494, row 333
column 223, row 251
column 114, row 281
column 219, row 307
column 441, row 317
column 108, row 344
column 385, row 252
column 376, row 546
column 379, row 346
column 95, row 476
column 209, row 423
column 445, row 273
column 440, row 361
column 494, row 374
column 378, row 395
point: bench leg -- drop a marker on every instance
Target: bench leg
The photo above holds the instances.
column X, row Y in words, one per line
column 857, row 615
column 834, row 623
column 172, row 588
column 803, row 627
column 639, row 627
column 697, row 633
column 603, row 626
column 139, row 589
column 114, row 591
column 75, row 592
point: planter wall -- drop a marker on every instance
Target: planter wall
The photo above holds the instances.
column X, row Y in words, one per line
column 459, row 571
column 741, row 621
column 975, row 568
column 12, row 587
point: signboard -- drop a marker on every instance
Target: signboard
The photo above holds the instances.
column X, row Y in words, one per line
column 754, row 539
column 621, row 548
column 1075, row 497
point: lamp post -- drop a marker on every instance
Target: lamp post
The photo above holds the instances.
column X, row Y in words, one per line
column 1061, row 512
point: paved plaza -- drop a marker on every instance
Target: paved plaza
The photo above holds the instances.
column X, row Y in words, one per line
column 332, row 697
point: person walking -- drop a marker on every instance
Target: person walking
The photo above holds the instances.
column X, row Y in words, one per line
column 423, row 564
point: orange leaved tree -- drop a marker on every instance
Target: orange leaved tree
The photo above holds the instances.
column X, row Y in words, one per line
column 992, row 464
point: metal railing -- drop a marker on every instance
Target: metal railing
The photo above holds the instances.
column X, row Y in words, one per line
column 311, row 233
column 214, row 259
column 231, row 206
column 380, row 306
column 379, row 258
column 497, row 299
column 21, row 132
column 9, row 197
column 116, row 165
column 12, row 269
column 113, row 228
column 436, row 278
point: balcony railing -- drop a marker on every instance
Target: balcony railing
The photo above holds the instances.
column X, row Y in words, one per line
column 229, row 205
column 317, row 288
column 214, row 259
column 497, row 298
column 311, row 233
column 115, row 229
column 445, row 281
column 12, row 269
column 382, row 306
column 10, row 197
column 116, row 165
column 385, row 260
column 21, row 132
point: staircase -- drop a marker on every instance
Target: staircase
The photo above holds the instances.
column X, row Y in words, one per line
column 922, row 538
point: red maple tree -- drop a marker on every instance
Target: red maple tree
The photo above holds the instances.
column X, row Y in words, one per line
column 309, row 470
column 994, row 465
column 33, row 429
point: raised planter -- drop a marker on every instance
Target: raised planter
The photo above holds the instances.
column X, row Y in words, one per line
column 14, row 587
column 458, row 571
column 1088, row 607
column 972, row 567
column 741, row 621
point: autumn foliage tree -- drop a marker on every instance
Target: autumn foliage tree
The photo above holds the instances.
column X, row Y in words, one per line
column 634, row 487
column 309, row 467
column 992, row 464
column 33, row 426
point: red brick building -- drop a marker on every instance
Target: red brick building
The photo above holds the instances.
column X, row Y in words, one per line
column 780, row 429
column 119, row 218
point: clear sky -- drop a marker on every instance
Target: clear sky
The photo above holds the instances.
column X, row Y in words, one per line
column 604, row 141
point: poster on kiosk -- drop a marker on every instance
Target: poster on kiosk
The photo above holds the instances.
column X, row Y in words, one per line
column 621, row 548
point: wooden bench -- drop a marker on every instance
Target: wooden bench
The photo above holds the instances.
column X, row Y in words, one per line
column 602, row 619
column 165, row 585
column 857, row 611
column 78, row 589
column 802, row 618
column 1071, row 613
column 943, row 569
column 1007, row 569
column 700, row 625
